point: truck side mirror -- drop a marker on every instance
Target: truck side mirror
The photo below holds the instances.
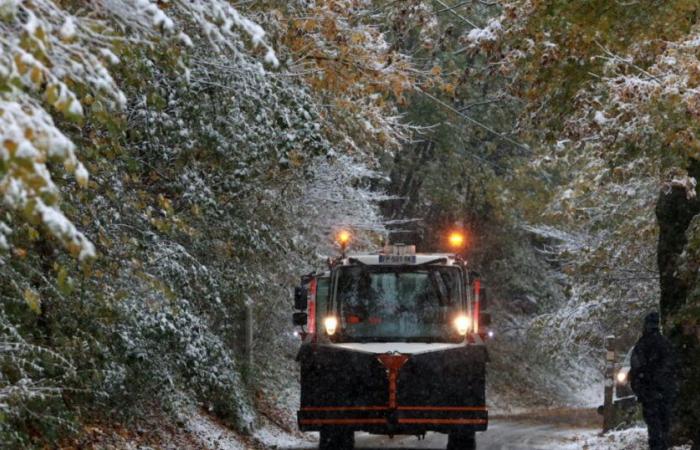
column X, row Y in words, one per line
column 484, row 319
column 299, row 319
column 483, row 298
column 300, row 298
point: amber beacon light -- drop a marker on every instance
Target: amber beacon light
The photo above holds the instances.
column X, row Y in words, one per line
column 456, row 239
column 344, row 237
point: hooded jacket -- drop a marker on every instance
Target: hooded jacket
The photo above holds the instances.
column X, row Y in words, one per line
column 654, row 370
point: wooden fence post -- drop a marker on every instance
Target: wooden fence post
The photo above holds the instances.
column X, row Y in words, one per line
column 608, row 406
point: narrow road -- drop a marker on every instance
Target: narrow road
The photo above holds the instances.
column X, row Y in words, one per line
column 503, row 434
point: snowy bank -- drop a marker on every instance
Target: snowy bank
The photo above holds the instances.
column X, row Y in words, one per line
column 629, row 439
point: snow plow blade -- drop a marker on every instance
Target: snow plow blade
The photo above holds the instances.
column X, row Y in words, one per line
column 439, row 391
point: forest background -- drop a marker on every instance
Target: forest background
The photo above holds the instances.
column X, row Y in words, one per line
column 166, row 164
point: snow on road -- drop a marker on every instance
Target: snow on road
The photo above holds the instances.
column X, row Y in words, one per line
column 507, row 434
column 630, row 439
column 538, row 432
column 502, row 435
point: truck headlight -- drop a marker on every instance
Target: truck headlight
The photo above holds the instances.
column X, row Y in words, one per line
column 462, row 323
column 621, row 376
column 331, row 324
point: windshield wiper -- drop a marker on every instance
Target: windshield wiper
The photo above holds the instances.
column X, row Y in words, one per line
column 439, row 287
column 356, row 261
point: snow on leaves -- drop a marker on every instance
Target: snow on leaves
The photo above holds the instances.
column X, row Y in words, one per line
column 338, row 48
column 53, row 60
column 612, row 101
column 485, row 37
column 28, row 139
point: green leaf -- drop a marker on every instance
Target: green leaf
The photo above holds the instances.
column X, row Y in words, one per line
column 33, row 300
column 65, row 282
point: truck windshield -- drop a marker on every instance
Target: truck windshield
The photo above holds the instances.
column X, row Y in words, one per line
column 404, row 303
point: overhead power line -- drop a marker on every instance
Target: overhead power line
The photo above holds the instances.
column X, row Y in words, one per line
column 451, row 9
column 475, row 122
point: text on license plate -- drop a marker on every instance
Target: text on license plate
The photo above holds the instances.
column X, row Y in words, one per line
column 397, row 259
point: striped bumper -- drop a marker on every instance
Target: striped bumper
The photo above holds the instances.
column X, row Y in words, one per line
column 407, row 419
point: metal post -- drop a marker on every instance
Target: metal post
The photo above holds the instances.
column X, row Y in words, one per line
column 249, row 335
column 608, row 406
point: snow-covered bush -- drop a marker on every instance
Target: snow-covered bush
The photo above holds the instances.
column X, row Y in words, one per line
column 171, row 351
column 31, row 384
column 55, row 60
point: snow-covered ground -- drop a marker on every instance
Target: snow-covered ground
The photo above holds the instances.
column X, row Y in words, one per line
column 629, row 439
column 271, row 436
column 514, row 435
column 213, row 435
column 537, row 430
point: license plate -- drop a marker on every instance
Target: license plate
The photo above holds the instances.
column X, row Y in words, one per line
column 397, row 259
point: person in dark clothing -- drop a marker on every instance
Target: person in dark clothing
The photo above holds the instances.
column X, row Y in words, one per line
column 653, row 377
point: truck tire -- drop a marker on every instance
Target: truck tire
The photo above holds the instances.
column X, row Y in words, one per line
column 461, row 441
column 334, row 439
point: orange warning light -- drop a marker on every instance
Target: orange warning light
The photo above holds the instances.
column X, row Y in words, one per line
column 456, row 239
column 343, row 237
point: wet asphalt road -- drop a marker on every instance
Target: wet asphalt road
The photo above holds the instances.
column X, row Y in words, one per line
column 501, row 435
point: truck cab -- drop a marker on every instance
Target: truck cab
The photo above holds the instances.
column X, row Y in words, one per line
column 394, row 344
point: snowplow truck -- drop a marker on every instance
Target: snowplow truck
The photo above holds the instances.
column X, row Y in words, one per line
column 392, row 343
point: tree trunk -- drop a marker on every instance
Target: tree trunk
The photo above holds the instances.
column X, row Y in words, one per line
column 680, row 295
column 674, row 213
